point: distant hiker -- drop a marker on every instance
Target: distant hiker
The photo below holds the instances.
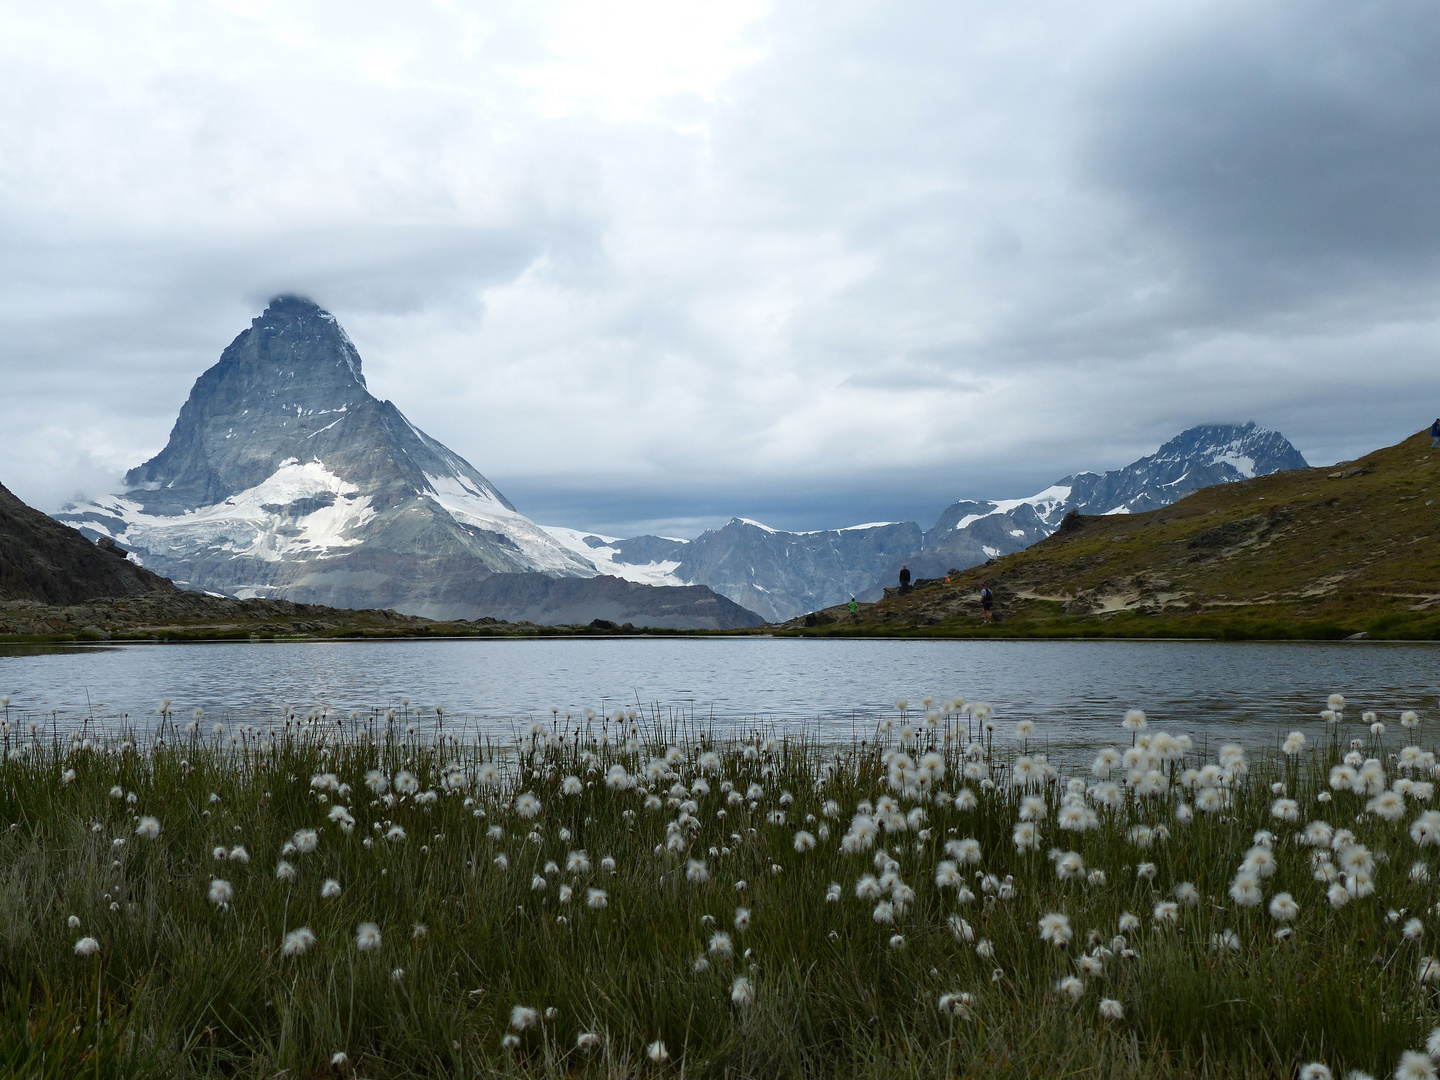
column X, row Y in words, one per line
column 987, row 602
column 854, row 609
column 1435, row 434
column 904, row 579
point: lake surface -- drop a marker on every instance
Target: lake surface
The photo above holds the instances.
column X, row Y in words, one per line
column 1075, row 691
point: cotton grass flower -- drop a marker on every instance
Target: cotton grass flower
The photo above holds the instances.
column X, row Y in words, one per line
column 955, row 1004
column 306, row 841
column 522, row 1017
column 1055, row 929
column 1070, row 987
column 1111, row 1009
column 1389, row 805
column 804, row 841
column 1225, row 941
column 657, row 1053
column 742, row 993
column 284, row 871
column 330, row 889
column 367, row 937
column 1413, row 930
column 87, row 946
column 721, row 945
column 148, row 828
column 1245, row 890
column 221, row 892
column 596, row 899
column 1283, row 907
column 1415, row 1066
column 298, row 941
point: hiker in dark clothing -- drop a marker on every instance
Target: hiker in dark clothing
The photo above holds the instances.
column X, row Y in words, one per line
column 1435, row 434
column 904, row 579
column 987, row 602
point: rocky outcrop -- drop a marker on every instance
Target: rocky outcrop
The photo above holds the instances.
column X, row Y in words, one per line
column 50, row 563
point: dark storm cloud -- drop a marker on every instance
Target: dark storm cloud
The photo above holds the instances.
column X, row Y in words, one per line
column 1290, row 150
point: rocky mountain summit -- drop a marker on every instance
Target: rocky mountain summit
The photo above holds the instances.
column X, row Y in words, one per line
column 284, row 477
column 969, row 532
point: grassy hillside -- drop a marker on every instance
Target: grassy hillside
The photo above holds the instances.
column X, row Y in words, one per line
column 1312, row 553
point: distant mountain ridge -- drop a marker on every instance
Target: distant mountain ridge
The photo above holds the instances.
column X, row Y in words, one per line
column 774, row 573
column 783, row 574
column 284, row 477
column 971, row 532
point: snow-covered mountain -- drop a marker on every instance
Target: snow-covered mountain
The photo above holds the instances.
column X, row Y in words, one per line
column 971, row 532
column 777, row 574
column 285, row 477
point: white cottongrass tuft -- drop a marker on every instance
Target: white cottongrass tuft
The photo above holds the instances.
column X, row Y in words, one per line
column 1415, row 1066
column 284, row 871
column 297, row 941
column 1055, row 929
column 1070, row 987
column 741, row 992
column 657, row 1053
column 221, row 892
column 522, row 1017
column 367, row 937
column 1316, row 1071
column 330, row 889
column 87, row 946
column 1111, row 1009
column 1283, row 907
column 596, row 899
column 148, row 828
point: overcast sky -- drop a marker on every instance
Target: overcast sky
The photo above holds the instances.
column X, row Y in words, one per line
column 649, row 265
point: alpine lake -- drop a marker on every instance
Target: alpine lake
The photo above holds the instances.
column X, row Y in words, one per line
column 835, row 691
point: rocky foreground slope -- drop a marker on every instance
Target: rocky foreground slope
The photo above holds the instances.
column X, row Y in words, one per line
column 285, row 478
column 1324, row 553
column 44, row 562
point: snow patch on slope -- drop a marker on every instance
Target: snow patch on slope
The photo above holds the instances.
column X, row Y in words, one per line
column 603, row 557
column 254, row 522
column 470, row 504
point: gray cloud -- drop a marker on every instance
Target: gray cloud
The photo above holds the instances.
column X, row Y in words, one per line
column 811, row 264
